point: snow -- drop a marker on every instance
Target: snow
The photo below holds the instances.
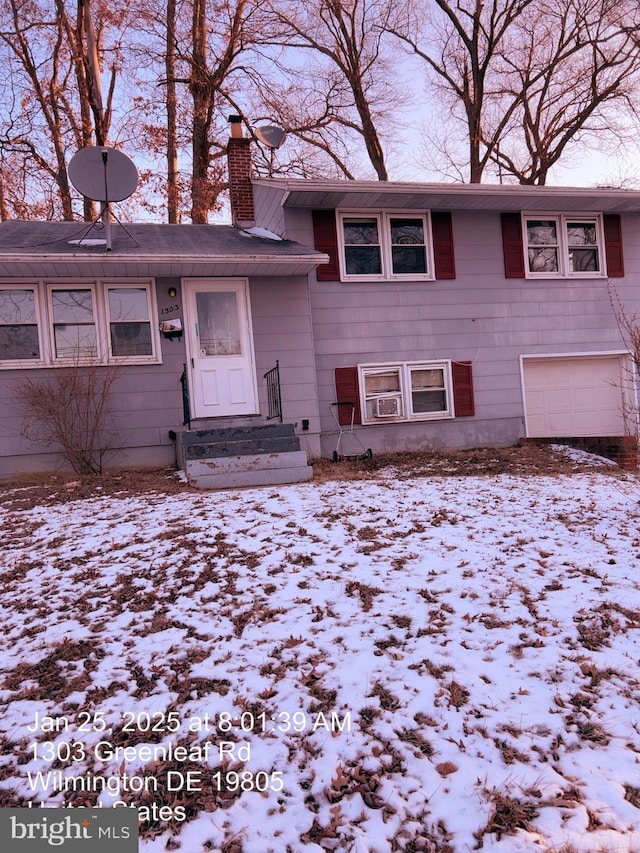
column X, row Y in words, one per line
column 481, row 635
column 256, row 231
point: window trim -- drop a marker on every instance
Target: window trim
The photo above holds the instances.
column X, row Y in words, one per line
column 383, row 219
column 27, row 362
column 563, row 248
column 52, row 286
column 148, row 287
column 43, row 294
column 405, row 370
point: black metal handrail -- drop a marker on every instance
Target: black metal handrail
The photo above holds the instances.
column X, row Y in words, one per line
column 186, row 408
column 274, row 397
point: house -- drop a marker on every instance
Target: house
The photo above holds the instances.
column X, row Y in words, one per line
column 457, row 316
column 440, row 316
column 206, row 310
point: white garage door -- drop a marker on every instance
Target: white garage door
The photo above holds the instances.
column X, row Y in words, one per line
column 574, row 396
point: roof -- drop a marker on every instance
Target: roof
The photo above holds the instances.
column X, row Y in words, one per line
column 147, row 249
column 377, row 195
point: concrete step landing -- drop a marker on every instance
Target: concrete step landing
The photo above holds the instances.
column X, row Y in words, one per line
column 228, row 456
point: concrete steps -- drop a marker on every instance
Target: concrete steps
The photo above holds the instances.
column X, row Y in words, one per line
column 242, row 452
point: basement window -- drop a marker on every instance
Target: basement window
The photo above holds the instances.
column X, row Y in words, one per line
column 406, row 391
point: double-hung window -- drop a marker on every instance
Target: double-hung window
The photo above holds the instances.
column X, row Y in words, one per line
column 19, row 329
column 129, row 317
column 563, row 246
column 406, row 391
column 73, row 322
column 50, row 323
column 385, row 246
column 362, row 246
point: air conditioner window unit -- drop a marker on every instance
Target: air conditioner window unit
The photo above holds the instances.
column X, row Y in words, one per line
column 388, row 407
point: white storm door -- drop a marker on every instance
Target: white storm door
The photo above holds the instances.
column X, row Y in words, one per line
column 220, row 348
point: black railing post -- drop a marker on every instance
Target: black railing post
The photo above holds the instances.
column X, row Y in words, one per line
column 186, row 408
column 274, row 397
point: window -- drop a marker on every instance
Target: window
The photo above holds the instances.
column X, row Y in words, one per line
column 73, row 323
column 129, row 322
column 382, row 393
column 385, row 246
column 57, row 323
column 406, row 391
column 19, row 338
column 563, row 246
column 408, row 246
column 582, row 241
column 362, row 250
column 428, row 390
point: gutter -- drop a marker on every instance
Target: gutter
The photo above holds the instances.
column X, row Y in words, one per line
column 111, row 258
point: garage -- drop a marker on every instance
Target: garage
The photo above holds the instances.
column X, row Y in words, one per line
column 576, row 396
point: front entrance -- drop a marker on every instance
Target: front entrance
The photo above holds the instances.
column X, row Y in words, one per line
column 222, row 376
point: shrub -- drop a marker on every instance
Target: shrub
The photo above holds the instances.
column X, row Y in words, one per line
column 70, row 407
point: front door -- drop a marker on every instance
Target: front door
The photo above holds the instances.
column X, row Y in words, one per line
column 220, row 347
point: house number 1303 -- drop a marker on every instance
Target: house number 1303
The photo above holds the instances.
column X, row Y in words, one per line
column 170, row 309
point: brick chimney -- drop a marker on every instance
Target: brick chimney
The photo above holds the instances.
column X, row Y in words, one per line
column 239, row 165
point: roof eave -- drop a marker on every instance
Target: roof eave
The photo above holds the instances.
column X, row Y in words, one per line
column 45, row 265
column 498, row 197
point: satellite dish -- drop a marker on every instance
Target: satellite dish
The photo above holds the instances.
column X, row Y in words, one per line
column 270, row 135
column 103, row 174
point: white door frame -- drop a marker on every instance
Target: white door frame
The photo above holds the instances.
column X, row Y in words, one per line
column 220, row 385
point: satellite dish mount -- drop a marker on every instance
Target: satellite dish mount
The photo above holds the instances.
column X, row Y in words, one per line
column 106, row 175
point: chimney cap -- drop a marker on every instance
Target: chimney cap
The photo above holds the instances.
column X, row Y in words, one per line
column 234, row 119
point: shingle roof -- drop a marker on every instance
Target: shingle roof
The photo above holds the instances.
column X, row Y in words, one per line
column 30, row 248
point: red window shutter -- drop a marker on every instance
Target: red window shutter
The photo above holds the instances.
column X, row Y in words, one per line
column 443, row 254
column 463, row 389
column 512, row 245
column 325, row 239
column 347, row 391
column 613, row 244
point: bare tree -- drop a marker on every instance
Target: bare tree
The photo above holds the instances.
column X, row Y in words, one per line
column 571, row 74
column 345, row 40
column 201, row 55
column 171, row 100
column 54, row 97
column 460, row 43
column 529, row 80
column 318, row 146
column 219, row 61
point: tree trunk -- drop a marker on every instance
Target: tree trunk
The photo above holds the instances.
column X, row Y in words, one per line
column 369, row 132
column 202, row 96
column 173, row 194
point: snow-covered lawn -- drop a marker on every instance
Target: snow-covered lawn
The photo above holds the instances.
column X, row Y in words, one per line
column 399, row 663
